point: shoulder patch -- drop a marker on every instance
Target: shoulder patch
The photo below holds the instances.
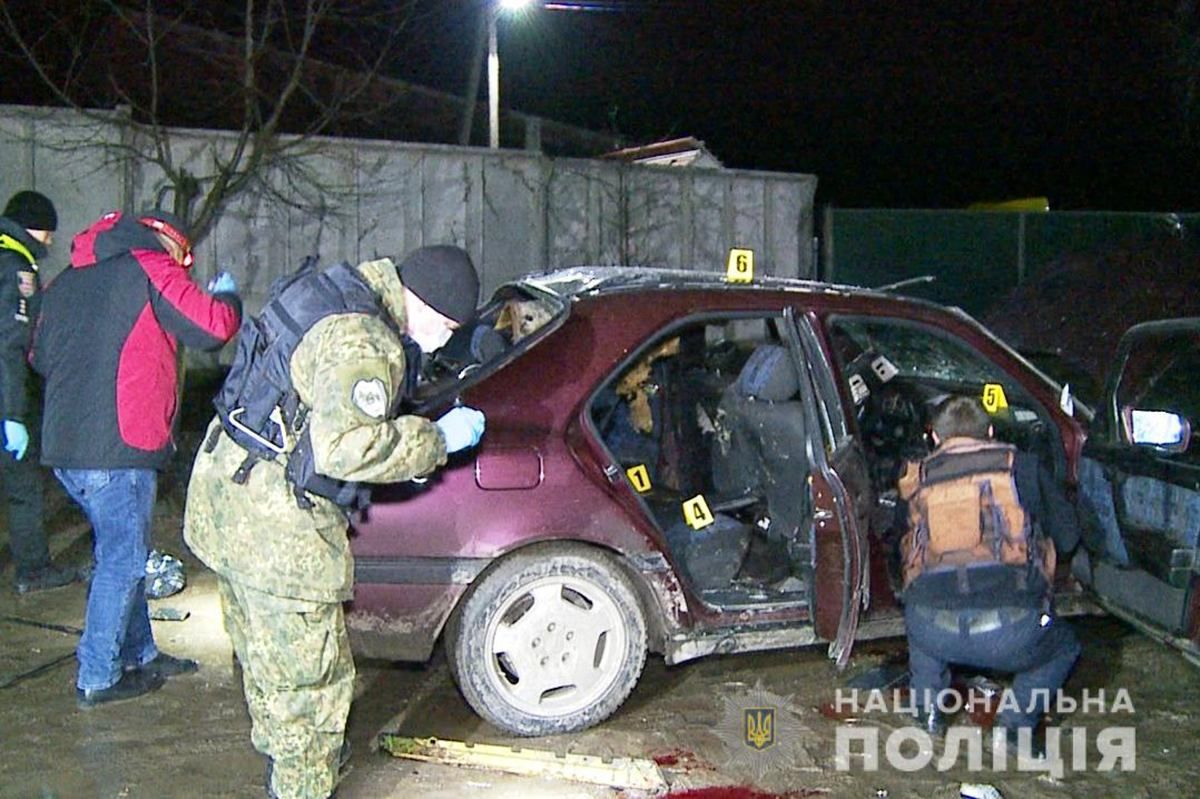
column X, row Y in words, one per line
column 370, row 397
column 27, row 282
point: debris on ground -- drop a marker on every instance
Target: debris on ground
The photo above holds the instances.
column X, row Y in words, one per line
column 169, row 614
column 164, row 575
column 617, row 772
column 973, row 790
column 981, row 699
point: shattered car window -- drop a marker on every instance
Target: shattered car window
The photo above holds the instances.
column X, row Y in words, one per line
column 514, row 319
column 896, row 372
column 913, row 350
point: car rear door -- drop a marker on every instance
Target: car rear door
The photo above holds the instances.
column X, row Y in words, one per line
column 1140, row 481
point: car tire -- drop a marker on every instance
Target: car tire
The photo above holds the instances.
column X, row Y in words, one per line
column 549, row 641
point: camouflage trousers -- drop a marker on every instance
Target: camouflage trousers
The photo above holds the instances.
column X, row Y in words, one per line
column 298, row 677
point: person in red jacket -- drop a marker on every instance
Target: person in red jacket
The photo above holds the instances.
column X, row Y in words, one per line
column 107, row 344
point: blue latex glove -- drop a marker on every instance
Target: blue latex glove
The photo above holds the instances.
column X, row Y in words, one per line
column 222, row 283
column 16, row 437
column 462, row 427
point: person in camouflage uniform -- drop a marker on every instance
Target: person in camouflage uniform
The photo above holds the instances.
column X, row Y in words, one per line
column 284, row 570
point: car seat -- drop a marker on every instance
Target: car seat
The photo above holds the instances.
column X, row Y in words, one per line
column 762, row 441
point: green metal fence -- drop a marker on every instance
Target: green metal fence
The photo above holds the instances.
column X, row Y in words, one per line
column 975, row 257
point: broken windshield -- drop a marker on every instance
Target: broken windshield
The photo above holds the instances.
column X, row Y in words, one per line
column 913, row 350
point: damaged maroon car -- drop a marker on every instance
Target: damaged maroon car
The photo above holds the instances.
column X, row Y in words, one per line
column 673, row 464
column 1139, row 482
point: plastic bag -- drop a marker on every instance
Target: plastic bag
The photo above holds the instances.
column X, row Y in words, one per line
column 164, row 575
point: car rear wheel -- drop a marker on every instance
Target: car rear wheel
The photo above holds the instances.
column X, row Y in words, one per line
column 549, row 641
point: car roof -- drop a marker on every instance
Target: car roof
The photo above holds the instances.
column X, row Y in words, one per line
column 579, row 281
column 576, row 282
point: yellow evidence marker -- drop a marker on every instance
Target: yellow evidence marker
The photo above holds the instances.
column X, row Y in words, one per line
column 696, row 513
column 740, row 268
column 639, row 478
column 994, row 400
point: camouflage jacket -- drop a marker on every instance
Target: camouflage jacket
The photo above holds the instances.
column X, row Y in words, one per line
column 347, row 369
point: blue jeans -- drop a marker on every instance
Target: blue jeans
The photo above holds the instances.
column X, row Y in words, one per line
column 1011, row 640
column 116, row 632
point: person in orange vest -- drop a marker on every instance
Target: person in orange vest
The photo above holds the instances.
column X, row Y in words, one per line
column 983, row 522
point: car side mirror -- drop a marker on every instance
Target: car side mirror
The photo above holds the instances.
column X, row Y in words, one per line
column 1166, row 431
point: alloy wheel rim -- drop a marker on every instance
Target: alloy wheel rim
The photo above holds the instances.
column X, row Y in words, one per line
column 555, row 646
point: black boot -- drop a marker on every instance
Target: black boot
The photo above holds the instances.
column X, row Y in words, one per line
column 45, row 578
column 170, row 666
column 131, row 684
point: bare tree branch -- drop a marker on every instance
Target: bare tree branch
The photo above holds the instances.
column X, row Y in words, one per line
column 157, row 63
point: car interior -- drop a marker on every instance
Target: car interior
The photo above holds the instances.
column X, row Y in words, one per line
column 508, row 324
column 710, row 414
column 897, row 372
column 711, row 411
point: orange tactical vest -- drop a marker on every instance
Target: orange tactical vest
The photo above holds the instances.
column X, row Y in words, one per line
column 964, row 510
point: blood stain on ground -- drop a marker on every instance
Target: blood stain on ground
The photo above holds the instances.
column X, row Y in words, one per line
column 831, row 711
column 739, row 792
column 674, row 758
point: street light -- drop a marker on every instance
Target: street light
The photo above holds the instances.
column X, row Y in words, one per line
column 493, row 13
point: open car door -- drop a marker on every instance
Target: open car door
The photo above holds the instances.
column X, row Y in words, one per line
column 842, row 499
column 1140, row 485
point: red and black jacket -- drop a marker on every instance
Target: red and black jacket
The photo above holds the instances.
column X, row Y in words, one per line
column 106, row 342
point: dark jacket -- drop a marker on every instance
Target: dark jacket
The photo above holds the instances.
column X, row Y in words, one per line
column 107, row 342
column 1052, row 515
column 18, row 298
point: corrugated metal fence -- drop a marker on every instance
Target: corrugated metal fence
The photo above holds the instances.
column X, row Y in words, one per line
column 514, row 211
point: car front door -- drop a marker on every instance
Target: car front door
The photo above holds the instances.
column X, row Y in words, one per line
column 1140, row 481
column 842, row 499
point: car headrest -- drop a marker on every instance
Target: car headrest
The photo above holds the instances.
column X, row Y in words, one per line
column 768, row 375
column 487, row 343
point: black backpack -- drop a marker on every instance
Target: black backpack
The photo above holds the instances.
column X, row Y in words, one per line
column 257, row 401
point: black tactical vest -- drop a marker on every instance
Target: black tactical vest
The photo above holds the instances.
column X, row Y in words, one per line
column 257, row 402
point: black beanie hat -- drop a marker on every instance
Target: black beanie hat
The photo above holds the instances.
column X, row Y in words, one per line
column 445, row 280
column 32, row 211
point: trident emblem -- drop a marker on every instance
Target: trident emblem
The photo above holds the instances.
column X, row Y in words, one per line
column 760, row 727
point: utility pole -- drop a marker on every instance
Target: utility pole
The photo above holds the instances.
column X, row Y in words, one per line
column 472, row 97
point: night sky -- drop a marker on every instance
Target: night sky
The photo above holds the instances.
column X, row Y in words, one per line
column 889, row 103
